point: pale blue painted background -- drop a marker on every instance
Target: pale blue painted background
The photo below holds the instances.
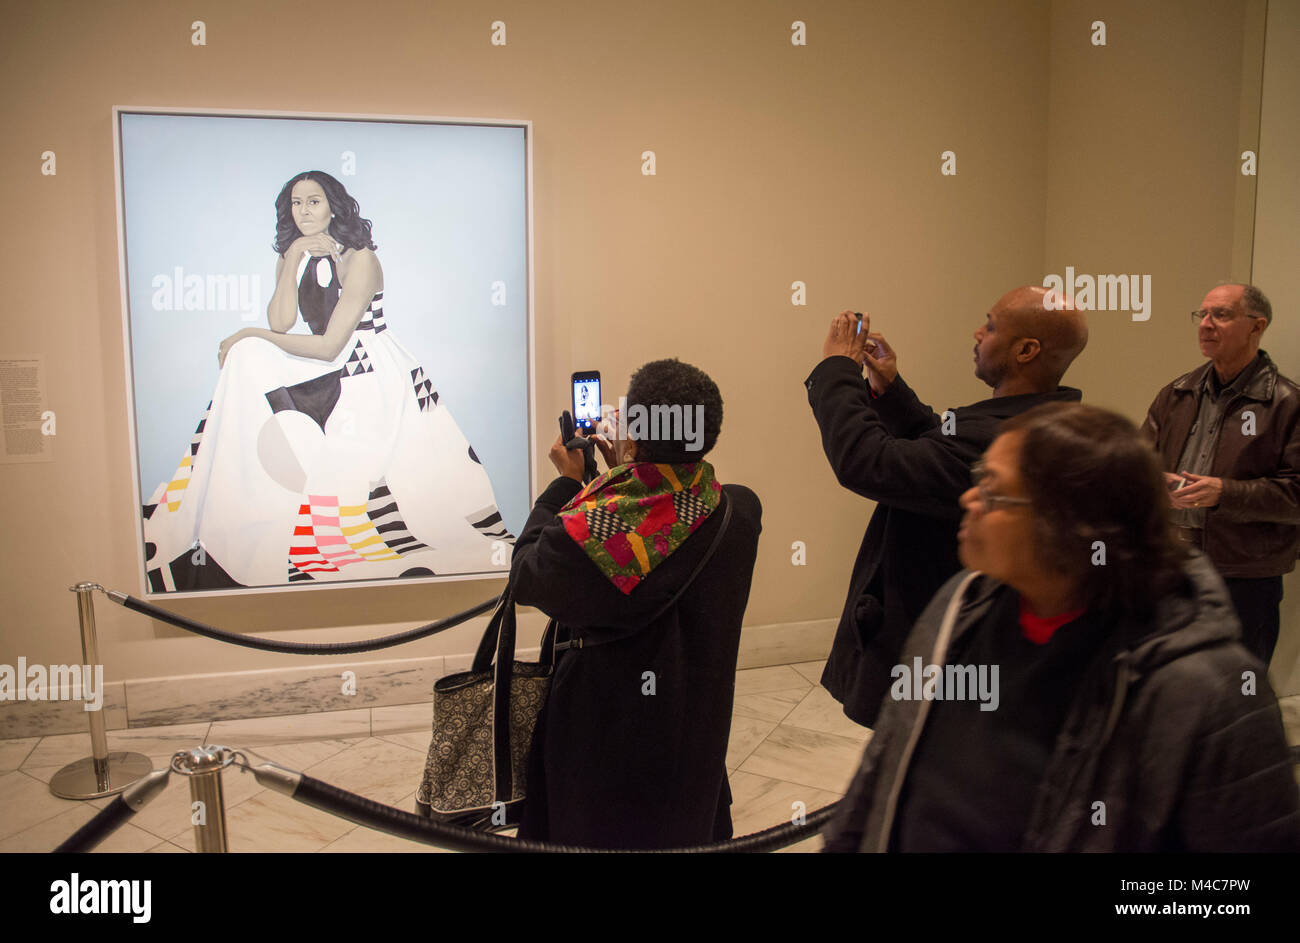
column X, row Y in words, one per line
column 449, row 209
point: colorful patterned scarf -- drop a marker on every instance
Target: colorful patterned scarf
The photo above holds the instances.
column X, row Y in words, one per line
column 630, row 519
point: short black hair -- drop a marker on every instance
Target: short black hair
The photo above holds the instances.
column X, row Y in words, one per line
column 673, row 383
column 1252, row 299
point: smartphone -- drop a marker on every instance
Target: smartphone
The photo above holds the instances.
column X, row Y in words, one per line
column 586, row 400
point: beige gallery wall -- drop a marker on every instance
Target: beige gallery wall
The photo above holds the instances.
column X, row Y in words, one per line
column 775, row 163
column 1276, row 258
column 1144, row 176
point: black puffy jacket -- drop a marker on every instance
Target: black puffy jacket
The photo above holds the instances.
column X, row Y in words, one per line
column 1159, row 730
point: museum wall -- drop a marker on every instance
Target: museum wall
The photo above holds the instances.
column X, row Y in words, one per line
column 775, row 163
column 1144, row 175
column 1277, row 255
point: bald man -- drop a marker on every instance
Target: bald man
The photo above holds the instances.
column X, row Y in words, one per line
column 884, row 444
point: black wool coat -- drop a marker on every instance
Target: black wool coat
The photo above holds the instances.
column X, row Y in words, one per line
column 892, row 449
column 613, row 765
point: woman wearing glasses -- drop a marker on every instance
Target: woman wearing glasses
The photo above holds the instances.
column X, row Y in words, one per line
column 1125, row 715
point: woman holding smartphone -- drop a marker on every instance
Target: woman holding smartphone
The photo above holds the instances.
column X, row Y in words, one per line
column 647, row 571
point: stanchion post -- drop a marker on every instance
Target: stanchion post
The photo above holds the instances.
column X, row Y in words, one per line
column 203, row 765
column 102, row 773
column 90, row 656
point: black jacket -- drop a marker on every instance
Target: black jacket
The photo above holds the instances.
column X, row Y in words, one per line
column 1160, row 730
column 613, row 766
column 892, row 449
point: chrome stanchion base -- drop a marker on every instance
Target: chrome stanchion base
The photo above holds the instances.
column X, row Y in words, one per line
column 79, row 780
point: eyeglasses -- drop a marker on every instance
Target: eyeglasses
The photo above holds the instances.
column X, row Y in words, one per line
column 1219, row 315
column 989, row 500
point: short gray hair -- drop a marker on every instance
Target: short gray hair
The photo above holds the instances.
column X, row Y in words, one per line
column 1252, row 299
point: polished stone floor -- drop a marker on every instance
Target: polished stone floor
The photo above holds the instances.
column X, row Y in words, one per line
column 790, row 743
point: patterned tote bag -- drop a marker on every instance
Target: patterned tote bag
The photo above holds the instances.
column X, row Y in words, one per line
column 483, row 723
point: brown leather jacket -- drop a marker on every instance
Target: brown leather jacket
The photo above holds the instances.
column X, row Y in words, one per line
column 1255, row 529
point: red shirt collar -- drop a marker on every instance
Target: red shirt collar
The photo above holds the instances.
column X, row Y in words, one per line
column 1039, row 630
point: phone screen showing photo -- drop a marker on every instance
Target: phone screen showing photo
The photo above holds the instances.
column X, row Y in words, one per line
column 586, row 399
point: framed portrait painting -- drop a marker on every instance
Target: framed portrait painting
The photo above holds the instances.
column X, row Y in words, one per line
column 328, row 341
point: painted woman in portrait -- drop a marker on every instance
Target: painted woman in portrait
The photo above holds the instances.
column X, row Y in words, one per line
column 326, row 455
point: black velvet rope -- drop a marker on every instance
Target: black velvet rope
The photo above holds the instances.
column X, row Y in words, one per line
column 363, row 811
column 348, row 805
column 302, row 648
column 110, row 818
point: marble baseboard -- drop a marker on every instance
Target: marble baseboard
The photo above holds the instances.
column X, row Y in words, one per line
column 275, row 691
column 43, row 718
column 271, row 692
column 785, row 643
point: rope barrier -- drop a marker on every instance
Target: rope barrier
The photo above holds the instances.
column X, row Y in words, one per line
column 384, row 818
column 298, row 648
column 360, row 810
column 366, row 812
column 347, row 805
column 109, row 819
column 116, row 814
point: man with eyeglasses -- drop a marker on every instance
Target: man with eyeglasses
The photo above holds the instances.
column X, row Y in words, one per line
column 1228, row 434
column 885, row 445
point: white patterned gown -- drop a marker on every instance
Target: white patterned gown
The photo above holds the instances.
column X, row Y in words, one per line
column 303, row 470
